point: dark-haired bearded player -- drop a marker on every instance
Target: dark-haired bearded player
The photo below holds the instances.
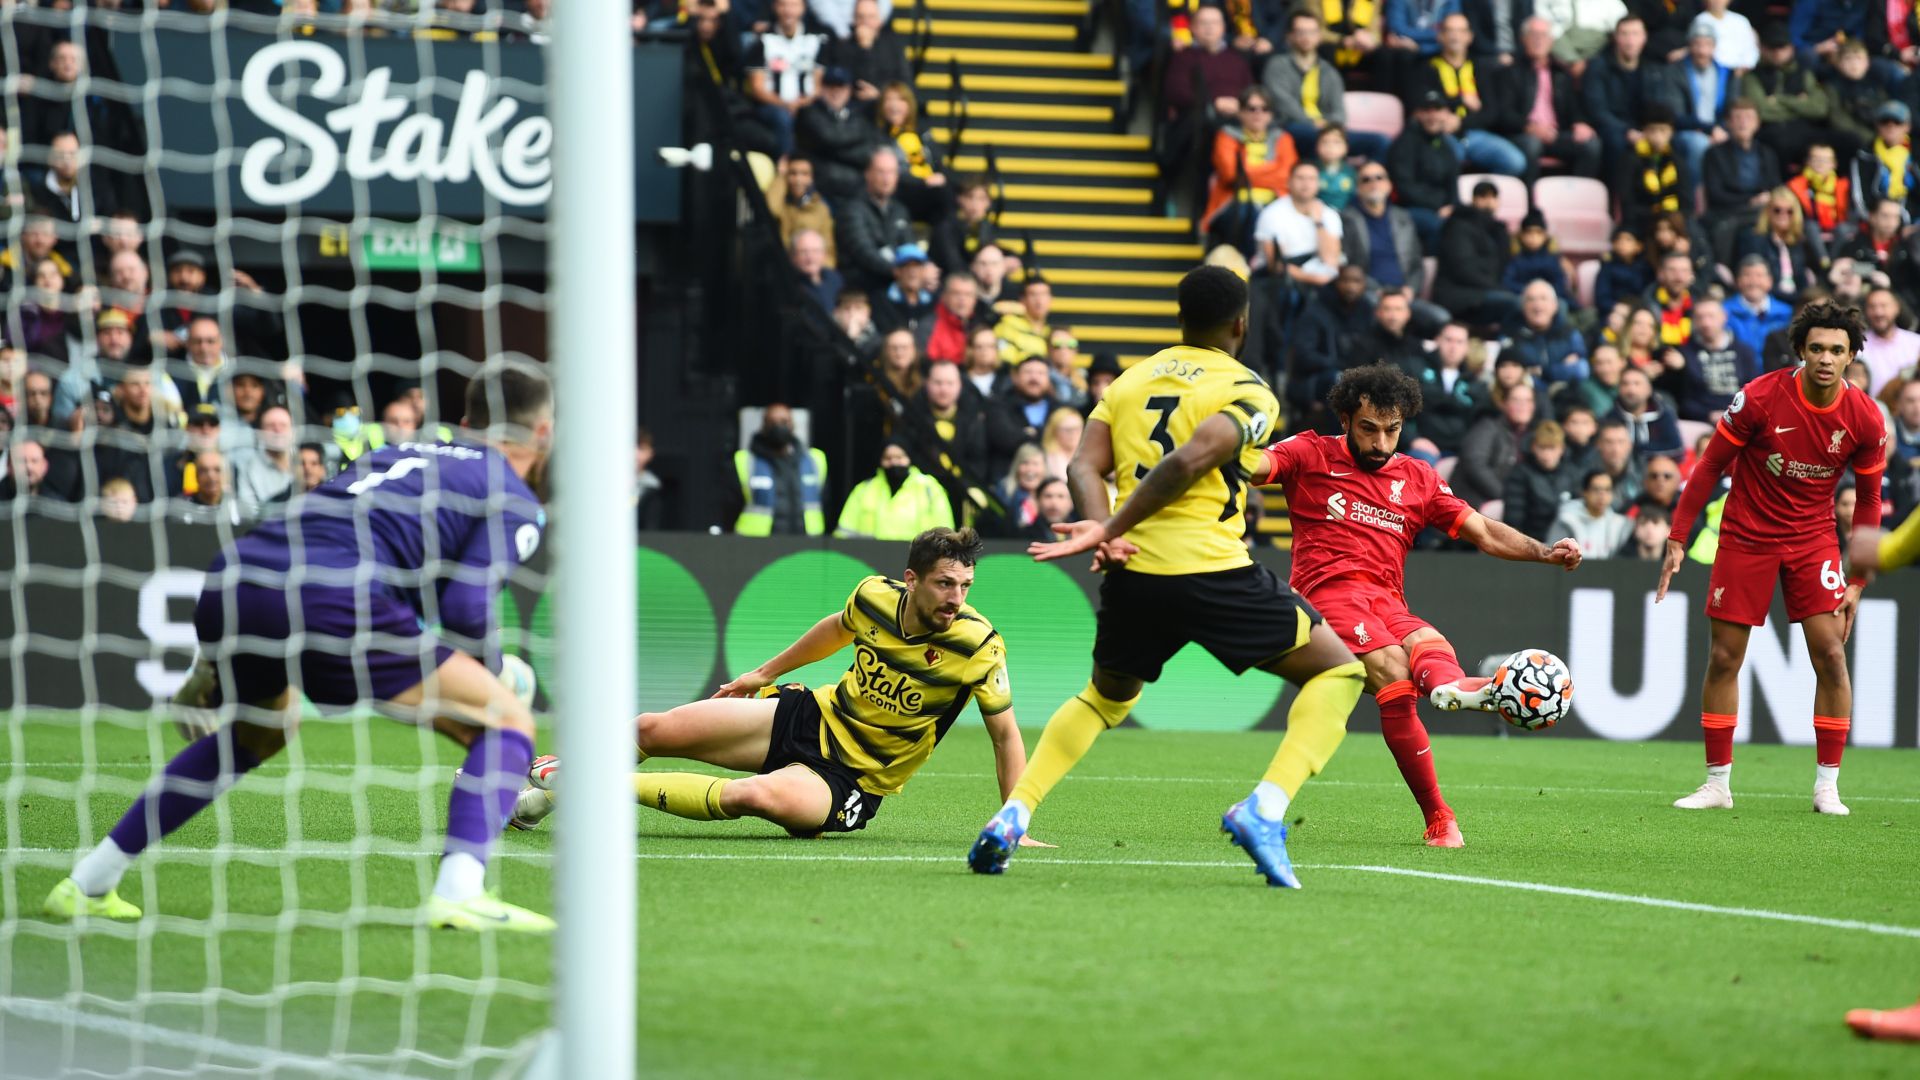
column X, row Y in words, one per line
column 1356, row 506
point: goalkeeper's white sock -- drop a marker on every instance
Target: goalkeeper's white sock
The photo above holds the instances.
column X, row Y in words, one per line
column 462, row 877
column 99, row 871
column 1720, row 774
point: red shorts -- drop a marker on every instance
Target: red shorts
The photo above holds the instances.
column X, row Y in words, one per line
column 1741, row 588
column 1366, row 614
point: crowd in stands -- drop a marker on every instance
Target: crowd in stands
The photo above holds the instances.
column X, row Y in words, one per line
column 1748, row 158
column 141, row 376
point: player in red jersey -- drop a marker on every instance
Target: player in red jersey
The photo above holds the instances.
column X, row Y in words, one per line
column 1793, row 432
column 1356, row 507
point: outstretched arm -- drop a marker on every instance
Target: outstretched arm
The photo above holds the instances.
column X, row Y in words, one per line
column 1009, row 751
column 823, row 639
column 1214, row 443
column 1503, row 541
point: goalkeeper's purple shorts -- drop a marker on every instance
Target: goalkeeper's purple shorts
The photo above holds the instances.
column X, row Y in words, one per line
column 340, row 645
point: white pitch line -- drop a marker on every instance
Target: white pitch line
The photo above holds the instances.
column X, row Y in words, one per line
column 1644, row 901
column 1883, row 929
column 1549, row 789
column 49, row 1012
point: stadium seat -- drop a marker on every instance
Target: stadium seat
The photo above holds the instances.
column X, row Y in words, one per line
column 1445, row 467
column 1577, row 213
column 1431, row 268
column 1379, row 113
column 1691, row 430
column 1514, row 200
column 1492, row 509
column 1585, row 275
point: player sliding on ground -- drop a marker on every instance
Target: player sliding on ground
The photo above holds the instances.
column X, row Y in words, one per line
column 825, row 758
column 332, row 600
column 1356, row 507
column 1180, row 431
column 1792, row 432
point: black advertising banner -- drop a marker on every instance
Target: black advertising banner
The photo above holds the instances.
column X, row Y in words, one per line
column 101, row 613
column 245, row 121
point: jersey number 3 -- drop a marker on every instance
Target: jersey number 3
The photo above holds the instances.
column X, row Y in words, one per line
column 1166, row 405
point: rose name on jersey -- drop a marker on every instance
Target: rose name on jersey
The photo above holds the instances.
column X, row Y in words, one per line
column 1340, row 507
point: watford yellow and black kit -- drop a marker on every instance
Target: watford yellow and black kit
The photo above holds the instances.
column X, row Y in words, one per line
column 1193, row 579
column 866, row 734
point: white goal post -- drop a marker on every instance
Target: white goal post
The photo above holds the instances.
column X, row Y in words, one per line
column 591, row 274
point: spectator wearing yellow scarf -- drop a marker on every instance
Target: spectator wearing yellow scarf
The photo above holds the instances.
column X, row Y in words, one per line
column 923, row 187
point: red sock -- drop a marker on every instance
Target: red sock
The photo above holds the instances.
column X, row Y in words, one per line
column 1407, row 737
column 1718, row 729
column 1830, row 739
column 1433, row 664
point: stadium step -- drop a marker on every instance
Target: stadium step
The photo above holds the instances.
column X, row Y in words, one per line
column 1050, row 140
column 1070, row 195
column 938, row 58
column 1039, row 114
column 1071, row 9
column 1095, row 169
column 987, row 33
column 1023, row 110
column 1028, row 86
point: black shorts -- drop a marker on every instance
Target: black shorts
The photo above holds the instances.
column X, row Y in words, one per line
column 796, row 741
column 1245, row 617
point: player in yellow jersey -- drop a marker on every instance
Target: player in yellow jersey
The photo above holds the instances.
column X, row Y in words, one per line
column 1180, row 431
column 1876, row 549
column 824, row 758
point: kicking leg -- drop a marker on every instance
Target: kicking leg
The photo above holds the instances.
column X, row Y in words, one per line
column 1719, row 714
column 1832, row 708
column 471, row 706
column 194, row 778
column 1069, row 734
column 1406, row 737
column 1437, row 674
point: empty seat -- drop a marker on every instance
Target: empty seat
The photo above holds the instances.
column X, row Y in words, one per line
column 1367, row 111
column 1577, row 214
column 1586, row 273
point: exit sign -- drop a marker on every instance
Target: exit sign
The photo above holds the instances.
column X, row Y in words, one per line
column 401, row 247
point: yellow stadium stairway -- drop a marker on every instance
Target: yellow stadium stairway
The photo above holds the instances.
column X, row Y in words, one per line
column 1045, row 108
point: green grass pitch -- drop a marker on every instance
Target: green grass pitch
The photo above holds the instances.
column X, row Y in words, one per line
column 1144, row 946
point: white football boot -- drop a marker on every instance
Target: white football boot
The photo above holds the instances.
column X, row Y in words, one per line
column 1826, row 800
column 1712, row 795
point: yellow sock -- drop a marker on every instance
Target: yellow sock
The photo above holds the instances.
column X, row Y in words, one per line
column 682, row 794
column 1067, row 738
column 1315, row 725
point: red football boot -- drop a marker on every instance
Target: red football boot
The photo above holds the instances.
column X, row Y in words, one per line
column 1443, row 830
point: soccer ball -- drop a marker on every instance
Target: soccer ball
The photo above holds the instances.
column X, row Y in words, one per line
column 1533, row 689
column 518, row 677
column 544, row 772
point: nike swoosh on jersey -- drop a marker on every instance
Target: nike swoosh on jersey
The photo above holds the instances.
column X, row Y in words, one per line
column 1782, row 430
column 1339, row 474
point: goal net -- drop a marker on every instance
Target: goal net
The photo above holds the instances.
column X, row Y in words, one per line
column 243, row 252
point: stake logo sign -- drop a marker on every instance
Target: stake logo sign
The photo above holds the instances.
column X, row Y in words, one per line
column 484, row 141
